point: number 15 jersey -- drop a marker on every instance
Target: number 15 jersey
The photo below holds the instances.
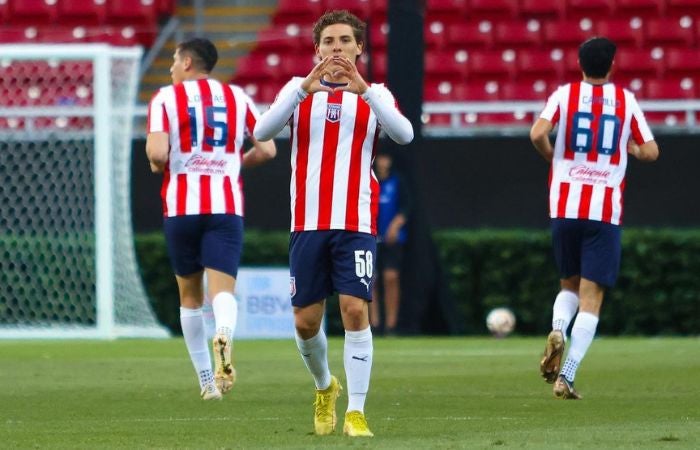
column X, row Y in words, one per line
column 587, row 177
column 207, row 122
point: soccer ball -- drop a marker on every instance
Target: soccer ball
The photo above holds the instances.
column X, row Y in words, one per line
column 500, row 322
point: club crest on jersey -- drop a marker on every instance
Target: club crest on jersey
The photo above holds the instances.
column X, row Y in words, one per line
column 333, row 112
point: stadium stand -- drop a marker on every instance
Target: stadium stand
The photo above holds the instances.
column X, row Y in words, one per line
column 523, row 42
column 516, row 44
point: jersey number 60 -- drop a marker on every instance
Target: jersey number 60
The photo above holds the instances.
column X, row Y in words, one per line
column 582, row 134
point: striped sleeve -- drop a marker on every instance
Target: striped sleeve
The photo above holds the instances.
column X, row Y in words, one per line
column 157, row 115
column 551, row 109
column 639, row 128
column 251, row 114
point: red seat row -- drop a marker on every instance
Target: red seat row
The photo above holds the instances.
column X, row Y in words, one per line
column 522, row 64
column 122, row 35
column 439, row 34
column 440, row 90
column 307, row 11
column 84, row 12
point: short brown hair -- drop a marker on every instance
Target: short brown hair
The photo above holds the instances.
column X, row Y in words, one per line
column 340, row 16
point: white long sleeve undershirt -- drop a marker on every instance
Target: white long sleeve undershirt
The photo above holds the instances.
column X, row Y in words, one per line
column 378, row 97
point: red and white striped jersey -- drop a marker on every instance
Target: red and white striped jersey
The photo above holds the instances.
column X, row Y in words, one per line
column 333, row 138
column 587, row 177
column 207, row 122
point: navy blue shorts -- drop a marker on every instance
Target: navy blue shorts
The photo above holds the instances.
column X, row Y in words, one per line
column 587, row 248
column 323, row 262
column 214, row 241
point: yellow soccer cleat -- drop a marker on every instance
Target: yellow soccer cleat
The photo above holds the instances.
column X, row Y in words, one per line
column 550, row 364
column 324, row 408
column 224, row 373
column 210, row 392
column 356, row 425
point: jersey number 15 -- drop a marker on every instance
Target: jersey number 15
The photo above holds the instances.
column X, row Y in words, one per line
column 211, row 125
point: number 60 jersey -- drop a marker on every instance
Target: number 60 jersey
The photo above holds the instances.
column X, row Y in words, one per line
column 207, row 122
column 587, row 176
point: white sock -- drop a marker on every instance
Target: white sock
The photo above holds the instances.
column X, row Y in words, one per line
column 582, row 335
column 314, row 352
column 357, row 356
column 196, row 342
column 208, row 316
column 564, row 309
column 225, row 310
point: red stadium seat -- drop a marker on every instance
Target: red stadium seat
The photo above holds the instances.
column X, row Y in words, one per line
column 480, row 90
column 445, row 10
column 541, row 64
column 634, row 84
column 263, row 92
column 544, row 9
column 131, row 12
column 361, row 8
column 569, row 33
column 298, row 11
column 260, row 66
column 32, row 12
column 294, row 65
column 380, row 66
column 81, row 12
column 447, row 65
column 439, row 90
column 166, row 8
column 492, row 9
column 683, row 7
column 640, row 8
column 518, row 34
column 378, row 35
column 492, row 64
column 379, row 9
column 590, row 8
column 279, row 39
column 435, row 35
column 524, row 90
column 18, row 34
column 677, row 31
column 682, row 61
column 471, row 34
column 626, row 32
column 668, row 89
column 642, row 63
column 4, row 11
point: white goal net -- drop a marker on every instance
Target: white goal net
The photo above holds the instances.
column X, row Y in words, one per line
column 68, row 267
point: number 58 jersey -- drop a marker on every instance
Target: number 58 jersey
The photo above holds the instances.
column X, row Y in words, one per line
column 207, row 122
column 587, row 177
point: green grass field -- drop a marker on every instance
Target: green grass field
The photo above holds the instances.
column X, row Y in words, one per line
column 426, row 393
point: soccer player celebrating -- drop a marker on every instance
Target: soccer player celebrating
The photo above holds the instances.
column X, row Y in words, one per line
column 196, row 129
column 599, row 124
column 335, row 118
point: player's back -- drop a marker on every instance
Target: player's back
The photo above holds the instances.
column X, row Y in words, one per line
column 207, row 123
column 590, row 153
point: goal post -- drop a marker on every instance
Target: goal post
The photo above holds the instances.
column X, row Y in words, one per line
column 68, row 266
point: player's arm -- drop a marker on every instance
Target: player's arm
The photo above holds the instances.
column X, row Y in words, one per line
column 272, row 121
column 259, row 153
column 157, row 149
column 539, row 135
column 647, row 152
column 395, row 124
